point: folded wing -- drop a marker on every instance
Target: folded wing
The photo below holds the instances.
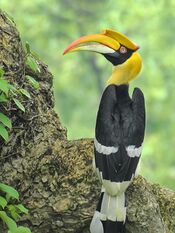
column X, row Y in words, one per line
column 119, row 136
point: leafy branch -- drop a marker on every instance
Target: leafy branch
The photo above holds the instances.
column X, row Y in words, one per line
column 31, row 58
column 9, row 92
column 9, row 212
column 32, row 61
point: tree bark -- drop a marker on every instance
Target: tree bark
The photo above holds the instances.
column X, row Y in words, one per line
column 53, row 175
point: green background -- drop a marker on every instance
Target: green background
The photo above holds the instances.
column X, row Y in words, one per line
column 79, row 79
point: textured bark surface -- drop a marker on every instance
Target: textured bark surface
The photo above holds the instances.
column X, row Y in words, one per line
column 53, row 175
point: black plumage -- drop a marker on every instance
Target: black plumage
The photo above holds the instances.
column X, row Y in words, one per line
column 119, row 136
column 120, row 123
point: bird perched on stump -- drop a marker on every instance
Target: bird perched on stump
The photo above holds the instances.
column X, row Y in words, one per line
column 119, row 129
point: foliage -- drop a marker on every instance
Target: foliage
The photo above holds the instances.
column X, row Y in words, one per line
column 9, row 92
column 31, row 59
column 32, row 62
column 80, row 78
column 10, row 211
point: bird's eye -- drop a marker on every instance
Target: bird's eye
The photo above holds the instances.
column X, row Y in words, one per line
column 123, row 49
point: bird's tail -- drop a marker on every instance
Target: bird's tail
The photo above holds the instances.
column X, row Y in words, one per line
column 110, row 214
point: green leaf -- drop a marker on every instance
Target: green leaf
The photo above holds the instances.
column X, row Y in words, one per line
column 25, row 92
column 12, row 88
column 28, row 47
column 14, row 93
column 22, row 208
column 3, row 133
column 9, row 190
column 15, row 215
column 35, row 55
column 3, row 98
column 4, row 86
column 13, row 212
column 32, row 63
column 1, row 72
column 33, row 82
column 19, row 104
column 7, row 196
column 10, row 18
column 23, row 230
column 8, row 221
column 5, row 120
column 3, row 202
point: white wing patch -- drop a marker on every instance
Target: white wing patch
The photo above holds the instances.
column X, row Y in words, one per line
column 106, row 150
column 134, row 151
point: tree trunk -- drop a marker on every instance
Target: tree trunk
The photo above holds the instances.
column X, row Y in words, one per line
column 53, row 175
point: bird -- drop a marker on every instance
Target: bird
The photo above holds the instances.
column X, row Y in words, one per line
column 120, row 127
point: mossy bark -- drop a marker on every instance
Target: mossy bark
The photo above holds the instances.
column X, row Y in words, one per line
column 53, row 175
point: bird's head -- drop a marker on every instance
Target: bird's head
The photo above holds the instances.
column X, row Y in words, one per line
column 117, row 49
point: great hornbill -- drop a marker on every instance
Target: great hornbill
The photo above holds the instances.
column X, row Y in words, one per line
column 120, row 127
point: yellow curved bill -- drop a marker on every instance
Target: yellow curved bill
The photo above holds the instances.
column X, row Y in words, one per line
column 122, row 39
column 98, row 38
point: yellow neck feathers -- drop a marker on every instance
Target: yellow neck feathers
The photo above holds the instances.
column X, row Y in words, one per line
column 127, row 71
